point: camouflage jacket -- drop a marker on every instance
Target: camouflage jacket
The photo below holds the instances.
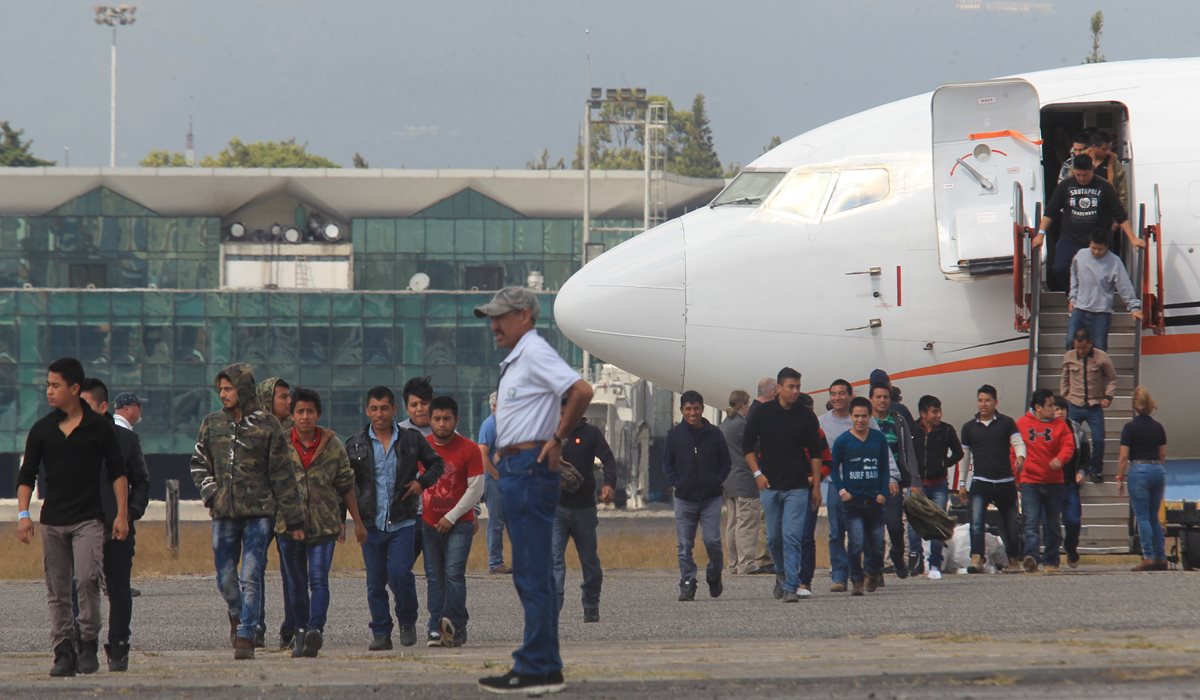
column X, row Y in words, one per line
column 266, row 400
column 322, row 486
column 243, row 468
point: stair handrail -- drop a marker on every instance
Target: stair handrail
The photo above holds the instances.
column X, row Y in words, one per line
column 1035, row 305
column 1158, row 311
column 1153, row 310
column 1020, row 228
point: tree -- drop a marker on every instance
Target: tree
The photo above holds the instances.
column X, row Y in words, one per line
column 775, row 141
column 266, row 154
column 162, row 158
column 360, row 162
column 1097, row 26
column 697, row 157
column 16, row 154
column 543, row 162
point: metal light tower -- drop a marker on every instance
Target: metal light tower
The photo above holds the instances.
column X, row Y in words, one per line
column 121, row 15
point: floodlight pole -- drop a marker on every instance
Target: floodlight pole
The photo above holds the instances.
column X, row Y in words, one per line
column 587, row 207
column 112, row 120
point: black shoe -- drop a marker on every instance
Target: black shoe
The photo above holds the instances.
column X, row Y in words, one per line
column 233, row 625
column 64, row 659
column 1097, row 478
column 591, row 614
column 408, row 635
column 768, row 569
column 778, row 592
column 687, row 591
column 715, row 587
column 298, row 643
column 118, row 656
column 449, row 631
column 433, row 638
column 88, row 661
column 134, row 592
column 313, row 639
column 513, row 682
column 901, row 571
column 1073, row 559
column 286, row 639
column 915, row 565
column 260, row 637
column 381, row 642
column 889, row 569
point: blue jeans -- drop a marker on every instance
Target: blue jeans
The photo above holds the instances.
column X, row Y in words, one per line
column 864, row 530
column 785, row 513
column 307, row 567
column 446, row 570
column 495, row 523
column 939, row 493
column 1094, row 417
column 1097, row 324
column 580, row 525
column 839, row 561
column 243, row 539
column 1064, row 252
column 1147, row 482
column 388, row 558
column 1042, row 505
column 808, row 550
column 1004, row 497
column 530, row 492
column 1072, row 518
column 706, row 515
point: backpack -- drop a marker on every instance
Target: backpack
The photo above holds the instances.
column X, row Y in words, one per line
column 929, row 521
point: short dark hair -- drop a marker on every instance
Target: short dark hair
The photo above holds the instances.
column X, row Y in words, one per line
column 1082, row 334
column 96, row 388
column 379, row 393
column 420, row 387
column 805, row 400
column 690, row 396
column 843, row 382
column 281, row 383
column 1040, row 397
column 1061, row 402
column 444, row 403
column 301, row 393
column 786, row 373
column 896, row 395
column 860, row 401
column 927, row 402
column 1081, row 137
column 1100, row 237
column 987, row 389
column 1101, row 138
column 1081, row 161
column 885, row 387
column 70, row 369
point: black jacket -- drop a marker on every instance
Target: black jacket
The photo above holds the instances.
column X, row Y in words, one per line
column 696, row 461
column 413, row 451
column 584, row 445
column 139, row 480
column 936, row 451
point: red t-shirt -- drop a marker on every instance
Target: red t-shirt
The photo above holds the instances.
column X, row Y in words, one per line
column 463, row 461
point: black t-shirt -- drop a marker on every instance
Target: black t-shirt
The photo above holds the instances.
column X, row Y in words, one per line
column 1143, row 436
column 785, row 439
column 1081, row 209
column 990, row 446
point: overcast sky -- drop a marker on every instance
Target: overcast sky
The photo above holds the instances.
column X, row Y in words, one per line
column 490, row 83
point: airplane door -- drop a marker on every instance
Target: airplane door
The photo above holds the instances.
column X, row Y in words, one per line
column 986, row 136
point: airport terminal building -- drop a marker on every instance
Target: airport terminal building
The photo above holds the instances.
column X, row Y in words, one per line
column 338, row 280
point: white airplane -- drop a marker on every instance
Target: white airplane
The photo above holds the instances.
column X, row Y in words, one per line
column 886, row 239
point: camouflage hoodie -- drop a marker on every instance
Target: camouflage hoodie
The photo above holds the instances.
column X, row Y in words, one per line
column 266, row 399
column 243, row 468
column 322, row 486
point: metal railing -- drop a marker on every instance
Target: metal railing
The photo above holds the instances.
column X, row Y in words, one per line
column 1027, row 282
column 1153, row 310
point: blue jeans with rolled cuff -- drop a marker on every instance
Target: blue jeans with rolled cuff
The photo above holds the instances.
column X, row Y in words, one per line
column 241, row 540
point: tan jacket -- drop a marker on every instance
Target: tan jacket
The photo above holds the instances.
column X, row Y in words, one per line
column 1101, row 378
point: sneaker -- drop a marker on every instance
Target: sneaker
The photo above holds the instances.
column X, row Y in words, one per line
column 528, row 684
column 873, row 582
column 687, row 591
column 298, row 643
column 914, row 563
column 381, row 642
column 1073, row 560
column 1030, row 564
column 499, row 570
column 715, row 587
column 64, row 659
column 313, row 640
column 976, row 566
column 87, row 661
column 433, row 638
column 804, row 591
column 243, row 649
column 591, row 614
column 1097, row 478
column 118, row 656
column 838, row 587
column 777, row 593
column 791, row 597
column 449, row 630
column 857, row 587
column 934, row 574
column 260, row 636
column 408, row 635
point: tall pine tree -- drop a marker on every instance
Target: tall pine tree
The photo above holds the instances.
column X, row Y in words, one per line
column 697, row 157
column 15, row 153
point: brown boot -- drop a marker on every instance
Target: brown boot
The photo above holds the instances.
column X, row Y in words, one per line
column 1146, row 565
column 1162, row 565
column 243, row 649
column 873, row 582
column 976, row 566
column 233, row 625
column 856, row 587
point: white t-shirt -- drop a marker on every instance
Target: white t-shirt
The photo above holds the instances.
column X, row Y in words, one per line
column 532, row 383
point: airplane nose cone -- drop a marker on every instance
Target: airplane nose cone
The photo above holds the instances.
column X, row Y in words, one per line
column 627, row 306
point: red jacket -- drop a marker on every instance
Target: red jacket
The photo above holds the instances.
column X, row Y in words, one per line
column 1044, row 442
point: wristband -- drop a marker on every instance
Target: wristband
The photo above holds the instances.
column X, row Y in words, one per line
column 1041, row 231
column 23, row 515
column 758, row 473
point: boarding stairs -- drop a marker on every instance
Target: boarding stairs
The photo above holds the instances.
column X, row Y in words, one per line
column 1043, row 314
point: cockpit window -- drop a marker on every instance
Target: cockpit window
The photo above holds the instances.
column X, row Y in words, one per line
column 749, row 188
column 802, row 193
column 857, row 188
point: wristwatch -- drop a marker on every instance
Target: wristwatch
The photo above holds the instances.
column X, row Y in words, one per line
column 758, row 473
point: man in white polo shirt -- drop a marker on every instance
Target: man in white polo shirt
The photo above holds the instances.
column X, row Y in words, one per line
column 530, row 430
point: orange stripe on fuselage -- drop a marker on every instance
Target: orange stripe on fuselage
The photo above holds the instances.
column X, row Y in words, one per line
column 1171, row 344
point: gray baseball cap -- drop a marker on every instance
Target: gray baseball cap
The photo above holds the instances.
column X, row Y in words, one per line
column 128, row 398
column 509, row 299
